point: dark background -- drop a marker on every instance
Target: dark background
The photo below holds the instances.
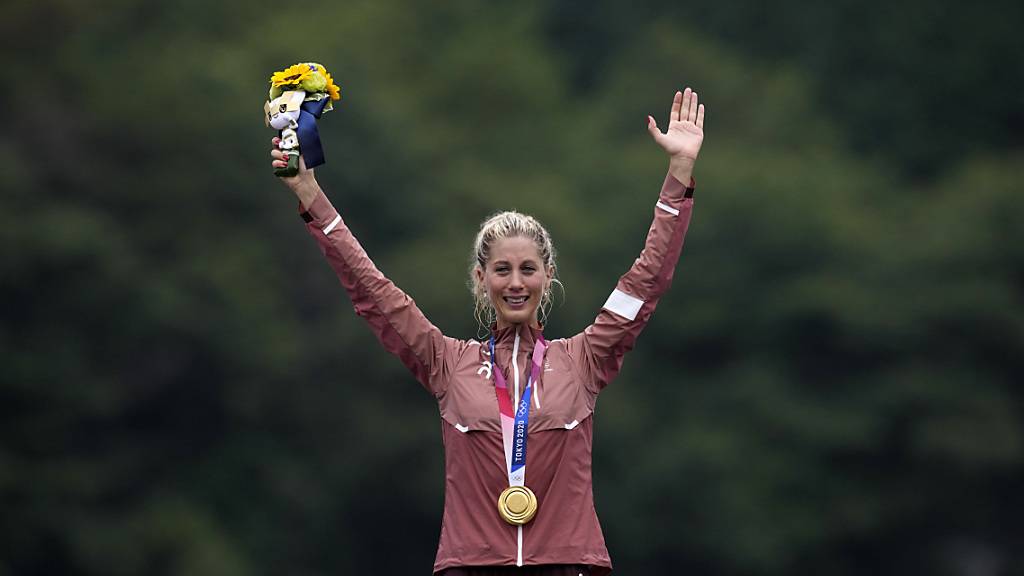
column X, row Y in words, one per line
column 833, row 385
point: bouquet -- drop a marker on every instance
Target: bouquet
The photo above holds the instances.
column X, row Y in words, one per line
column 299, row 95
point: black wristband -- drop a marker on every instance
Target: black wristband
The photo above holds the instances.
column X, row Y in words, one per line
column 689, row 188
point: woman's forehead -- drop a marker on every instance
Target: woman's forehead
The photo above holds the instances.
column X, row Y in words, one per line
column 516, row 248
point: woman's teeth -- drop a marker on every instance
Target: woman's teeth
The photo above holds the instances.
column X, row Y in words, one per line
column 515, row 300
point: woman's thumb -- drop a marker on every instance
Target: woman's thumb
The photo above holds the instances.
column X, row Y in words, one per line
column 652, row 127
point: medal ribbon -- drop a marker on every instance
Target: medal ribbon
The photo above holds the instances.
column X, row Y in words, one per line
column 514, row 422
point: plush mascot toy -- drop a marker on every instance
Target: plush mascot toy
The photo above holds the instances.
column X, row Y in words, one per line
column 299, row 95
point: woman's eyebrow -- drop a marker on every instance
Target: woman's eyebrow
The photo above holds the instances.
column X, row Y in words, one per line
column 525, row 261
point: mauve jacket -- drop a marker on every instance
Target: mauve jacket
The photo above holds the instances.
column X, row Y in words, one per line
column 565, row 529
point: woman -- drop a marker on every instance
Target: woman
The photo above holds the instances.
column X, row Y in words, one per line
column 517, row 390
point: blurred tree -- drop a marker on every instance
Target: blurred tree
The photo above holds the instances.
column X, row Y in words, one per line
column 830, row 387
column 914, row 85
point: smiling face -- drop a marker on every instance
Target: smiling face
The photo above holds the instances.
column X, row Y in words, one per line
column 515, row 280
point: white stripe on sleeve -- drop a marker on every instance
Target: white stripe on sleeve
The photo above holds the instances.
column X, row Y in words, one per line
column 667, row 208
column 623, row 304
column 333, row 224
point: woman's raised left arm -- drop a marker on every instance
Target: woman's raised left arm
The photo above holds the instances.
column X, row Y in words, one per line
column 598, row 351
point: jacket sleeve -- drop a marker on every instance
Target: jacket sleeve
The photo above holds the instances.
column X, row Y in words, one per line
column 597, row 352
column 391, row 314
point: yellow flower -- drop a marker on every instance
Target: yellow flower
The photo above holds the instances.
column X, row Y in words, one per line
column 332, row 88
column 290, row 75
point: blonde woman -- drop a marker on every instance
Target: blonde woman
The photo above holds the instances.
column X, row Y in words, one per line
column 517, row 406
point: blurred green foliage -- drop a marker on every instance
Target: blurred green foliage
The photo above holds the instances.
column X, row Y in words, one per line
column 832, row 386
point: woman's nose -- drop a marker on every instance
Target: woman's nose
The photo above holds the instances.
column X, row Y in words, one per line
column 516, row 281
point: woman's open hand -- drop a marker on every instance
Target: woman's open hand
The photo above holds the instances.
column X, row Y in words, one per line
column 685, row 134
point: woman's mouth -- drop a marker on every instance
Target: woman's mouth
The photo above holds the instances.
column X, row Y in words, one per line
column 515, row 301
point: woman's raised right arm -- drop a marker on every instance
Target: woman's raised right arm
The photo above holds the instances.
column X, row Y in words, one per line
column 391, row 314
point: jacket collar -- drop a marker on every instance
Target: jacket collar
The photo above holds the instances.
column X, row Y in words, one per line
column 507, row 335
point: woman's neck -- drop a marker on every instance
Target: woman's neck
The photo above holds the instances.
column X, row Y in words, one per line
column 503, row 325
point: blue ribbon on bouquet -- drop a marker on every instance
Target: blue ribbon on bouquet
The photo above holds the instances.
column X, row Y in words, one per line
column 309, row 136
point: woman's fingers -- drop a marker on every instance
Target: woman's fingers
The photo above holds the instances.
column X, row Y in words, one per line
column 685, row 106
column 280, row 159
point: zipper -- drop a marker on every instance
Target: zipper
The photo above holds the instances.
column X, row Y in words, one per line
column 515, row 366
column 515, row 370
column 519, row 554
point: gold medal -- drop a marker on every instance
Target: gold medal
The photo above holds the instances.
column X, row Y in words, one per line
column 517, row 505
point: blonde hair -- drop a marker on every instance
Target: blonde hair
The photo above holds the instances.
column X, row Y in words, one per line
column 498, row 227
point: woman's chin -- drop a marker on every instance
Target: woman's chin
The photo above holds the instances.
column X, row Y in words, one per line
column 516, row 318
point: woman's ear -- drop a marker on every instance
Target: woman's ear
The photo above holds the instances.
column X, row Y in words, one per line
column 478, row 273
